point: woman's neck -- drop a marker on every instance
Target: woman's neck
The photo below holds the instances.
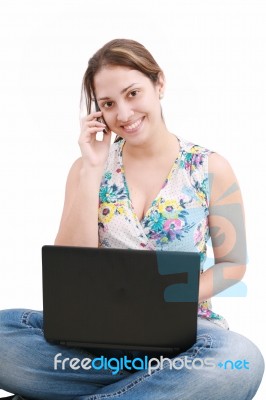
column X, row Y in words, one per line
column 157, row 146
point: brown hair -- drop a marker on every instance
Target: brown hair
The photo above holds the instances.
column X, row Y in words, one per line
column 119, row 52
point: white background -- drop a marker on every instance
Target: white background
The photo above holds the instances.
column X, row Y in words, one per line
column 213, row 55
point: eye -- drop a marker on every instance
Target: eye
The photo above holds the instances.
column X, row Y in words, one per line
column 133, row 93
column 108, row 104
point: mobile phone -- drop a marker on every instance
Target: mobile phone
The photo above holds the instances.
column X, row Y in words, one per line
column 97, row 108
column 101, row 119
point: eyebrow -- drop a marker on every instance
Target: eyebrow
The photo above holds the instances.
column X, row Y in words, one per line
column 122, row 91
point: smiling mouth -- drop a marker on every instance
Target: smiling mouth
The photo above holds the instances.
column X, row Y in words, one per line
column 133, row 126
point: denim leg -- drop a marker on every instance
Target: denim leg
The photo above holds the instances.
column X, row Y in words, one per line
column 223, row 381
column 27, row 361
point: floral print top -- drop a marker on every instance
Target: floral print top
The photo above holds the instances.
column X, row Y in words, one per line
column 177, row 218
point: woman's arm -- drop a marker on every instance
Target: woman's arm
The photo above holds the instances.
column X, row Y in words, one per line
column 227, row 230
column 79, row 221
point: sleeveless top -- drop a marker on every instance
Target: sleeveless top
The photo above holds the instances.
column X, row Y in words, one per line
column 177, row 218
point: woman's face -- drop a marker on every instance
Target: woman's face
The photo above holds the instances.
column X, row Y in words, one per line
column 129, row 102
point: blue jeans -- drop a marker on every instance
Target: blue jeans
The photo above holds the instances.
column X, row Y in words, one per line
column 221, row 365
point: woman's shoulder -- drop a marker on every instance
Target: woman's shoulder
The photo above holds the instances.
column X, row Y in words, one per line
column 194, row 148
column 194, row 157
column 222, row 173
column 216, row 161
column 199, row 159
column 216, row 164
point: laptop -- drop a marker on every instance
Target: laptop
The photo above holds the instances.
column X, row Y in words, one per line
column 106, row 298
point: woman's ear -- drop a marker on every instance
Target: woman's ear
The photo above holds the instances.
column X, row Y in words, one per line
column 161, row 84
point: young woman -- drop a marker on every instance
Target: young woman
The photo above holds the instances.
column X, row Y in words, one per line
column 148, row 190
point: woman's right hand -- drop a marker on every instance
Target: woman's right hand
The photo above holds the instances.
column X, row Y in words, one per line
column 94, row 152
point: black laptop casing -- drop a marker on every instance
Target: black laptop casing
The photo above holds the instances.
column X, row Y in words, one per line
column 120, row 298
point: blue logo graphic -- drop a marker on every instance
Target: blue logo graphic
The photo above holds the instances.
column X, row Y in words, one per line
column 230, row 365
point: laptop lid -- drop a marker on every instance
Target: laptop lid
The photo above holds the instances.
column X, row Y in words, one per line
column 120, row 298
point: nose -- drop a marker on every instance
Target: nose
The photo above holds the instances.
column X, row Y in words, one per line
column 124, row 112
